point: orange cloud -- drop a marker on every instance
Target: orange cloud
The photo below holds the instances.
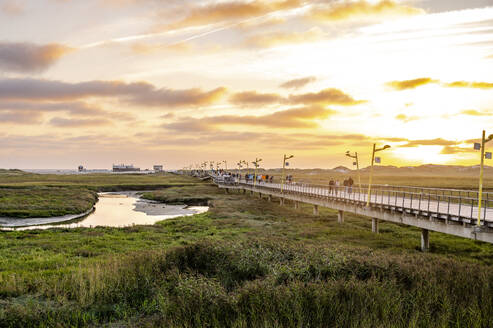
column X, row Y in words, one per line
column 328, row 96
column 227, row 11
column 282, row 38
column 474, row 85
column 360, row 9
column 430, row 142
column 29, row 57
column 473, row 112
column 254, row 98
column 410, row 84
column 298, row 83
column 292, row 118
column 451, row 150
column 405, row 118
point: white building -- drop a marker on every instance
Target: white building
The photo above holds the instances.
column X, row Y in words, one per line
column 158, row 168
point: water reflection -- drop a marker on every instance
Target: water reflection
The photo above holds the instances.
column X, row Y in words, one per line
column 125, row 209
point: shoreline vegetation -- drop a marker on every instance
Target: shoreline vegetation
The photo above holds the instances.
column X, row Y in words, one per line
column 245, row 263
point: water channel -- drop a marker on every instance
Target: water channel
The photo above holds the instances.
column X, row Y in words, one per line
column 112, row 210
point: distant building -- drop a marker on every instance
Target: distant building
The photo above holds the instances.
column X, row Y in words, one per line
column 81, row 168
column 125, row 168
column 158, row 168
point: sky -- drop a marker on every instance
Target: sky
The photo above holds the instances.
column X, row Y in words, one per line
column 180, row 82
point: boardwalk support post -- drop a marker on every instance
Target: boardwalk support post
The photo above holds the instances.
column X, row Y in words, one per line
column 340, row 217
column 281, row 201
column 269, row 198
column 227, row 190
column 296, row 205
column 425, row 240
column 374, row 225
column 315, row 209
column 260, row 195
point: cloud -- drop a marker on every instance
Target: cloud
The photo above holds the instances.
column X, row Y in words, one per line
column 474, row 85
column 328, row 96
column 281, row 38
column 301, row 117
column 405, row 118
column 231, row 10
column 178, row 98
column 298, row 83
column 255, row 98
column 140, row 93
column 26, row 117
column 12, row 8
column 29, row 57
column 77, row 123
column 473, row 112
column 451, row 150
column 146, row 48
column 430, row 142
column 345, row 10
column 74, row 108
column 411, row 84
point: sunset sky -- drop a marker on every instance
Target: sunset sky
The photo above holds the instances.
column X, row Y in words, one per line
column 175, row 82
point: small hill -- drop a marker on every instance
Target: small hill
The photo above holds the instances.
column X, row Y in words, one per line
column 341, row 169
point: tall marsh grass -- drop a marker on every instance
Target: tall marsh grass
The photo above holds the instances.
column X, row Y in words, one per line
column 257, row 284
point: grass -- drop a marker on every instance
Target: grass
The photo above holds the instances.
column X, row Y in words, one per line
column 44, row 201
column 24, row 195
column 245, row 263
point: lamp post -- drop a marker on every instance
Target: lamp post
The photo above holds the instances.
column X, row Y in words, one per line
column 239, row 169
column 283, row 168
column 371, row 169
column 248, row 168
column 484, row 140
column 225, row 166
column 257, row 160
column 355, row 156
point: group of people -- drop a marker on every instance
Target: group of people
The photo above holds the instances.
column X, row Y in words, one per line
column 260, row 178
column 334, row 186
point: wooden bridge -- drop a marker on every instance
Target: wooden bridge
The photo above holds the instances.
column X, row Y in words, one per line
column 450, row 211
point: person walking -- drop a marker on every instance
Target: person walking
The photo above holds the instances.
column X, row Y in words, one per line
column 350, row 183
column 331, row 186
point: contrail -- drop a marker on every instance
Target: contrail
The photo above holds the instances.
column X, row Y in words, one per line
column 159, row 34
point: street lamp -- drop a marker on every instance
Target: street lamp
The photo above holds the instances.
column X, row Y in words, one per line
column 283, row 168
column 481, row 168
column 355, row 156
column 371, row 169
column 257, row 160
column 246, row 163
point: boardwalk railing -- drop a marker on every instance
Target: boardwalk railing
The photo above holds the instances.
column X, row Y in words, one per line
column 441, row 204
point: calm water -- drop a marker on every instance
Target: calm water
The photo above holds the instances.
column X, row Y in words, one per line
column 123, row 209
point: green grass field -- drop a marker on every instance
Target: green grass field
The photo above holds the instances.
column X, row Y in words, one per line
column 25, row 195
column 245, row 263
